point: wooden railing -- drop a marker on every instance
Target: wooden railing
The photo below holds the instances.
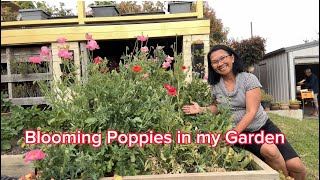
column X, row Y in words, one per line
column 82, row 19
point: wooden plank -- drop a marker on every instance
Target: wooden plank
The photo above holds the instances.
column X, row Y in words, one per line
column 29, row 101
column 81, row 12
column 264, row 172
column 200, row 9
column 9, row 56
column 104, row 28
column 84, row 61
column 37, row 22
column 13, row 165
column 105, row 35
column 3, row 55
column 140, row 17
column 26, row 77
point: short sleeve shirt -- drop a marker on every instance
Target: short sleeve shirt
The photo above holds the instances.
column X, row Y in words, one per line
column 236, row 99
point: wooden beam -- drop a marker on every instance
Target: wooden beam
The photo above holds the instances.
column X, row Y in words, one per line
column 141, row 17
column 37, row 22
column 200, row 8
column 43, row 35
column 81, row 11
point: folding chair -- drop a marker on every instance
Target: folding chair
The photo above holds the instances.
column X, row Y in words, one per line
column 304, row 96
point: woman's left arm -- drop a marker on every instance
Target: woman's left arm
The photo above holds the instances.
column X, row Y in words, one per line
column 253, row 98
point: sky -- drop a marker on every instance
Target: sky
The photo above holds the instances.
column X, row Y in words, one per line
column 283, row 23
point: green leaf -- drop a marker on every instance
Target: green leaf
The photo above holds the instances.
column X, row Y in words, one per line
column 90, row 120
column 5, row 145
column 133, row 158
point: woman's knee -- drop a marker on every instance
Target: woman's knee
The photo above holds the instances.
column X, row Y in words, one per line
column 295, row 165
column 270, row 151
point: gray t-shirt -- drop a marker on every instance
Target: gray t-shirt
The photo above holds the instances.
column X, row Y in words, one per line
column 237, row 99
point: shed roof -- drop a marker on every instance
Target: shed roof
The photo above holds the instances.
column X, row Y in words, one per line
column 291, row 48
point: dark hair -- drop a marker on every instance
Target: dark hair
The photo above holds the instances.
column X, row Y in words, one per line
column 214, row 77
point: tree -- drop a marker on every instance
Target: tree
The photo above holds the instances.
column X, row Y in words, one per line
column 251, row 50
column 25, row 4
column 218, row 33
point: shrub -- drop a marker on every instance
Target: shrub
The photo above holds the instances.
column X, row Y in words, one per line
column 251, row 50
column 142, row 95
column 265, row 97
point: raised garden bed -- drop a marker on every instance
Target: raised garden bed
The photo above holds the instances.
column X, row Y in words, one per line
column 13, row 165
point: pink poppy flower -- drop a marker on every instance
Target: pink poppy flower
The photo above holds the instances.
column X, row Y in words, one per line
column 62, row 40
column 65, row 54
column 205, row 77
column 35, row 60
column 34, row 155
column 144, row 49
column 172, row 91
column 165, row 65
column 145, row 76
column 89, row 36
column 142, row 38
column 92, row 45
column 45, row 52
column 169, row 59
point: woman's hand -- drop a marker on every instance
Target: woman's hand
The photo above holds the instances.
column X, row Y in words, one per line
column 191, row 109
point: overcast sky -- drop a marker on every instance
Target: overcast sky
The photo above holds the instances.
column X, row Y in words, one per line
column 282, row 23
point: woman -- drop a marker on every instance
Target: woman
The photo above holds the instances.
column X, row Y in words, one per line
column 241, row 90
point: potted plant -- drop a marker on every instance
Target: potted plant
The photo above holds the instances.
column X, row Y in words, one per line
column 275, row 106
column 104, row 10
column 266, row 100
column 294, row 104
column 33, row 14
column 284, row 105
column 179, row 7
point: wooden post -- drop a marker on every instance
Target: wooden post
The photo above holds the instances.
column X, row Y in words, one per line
column 81, row 11
column 9, row 57
column 200, row 8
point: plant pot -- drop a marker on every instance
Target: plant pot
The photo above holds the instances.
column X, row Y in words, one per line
column 105, row 11
column 143, row 13
column 265, row 104
column 197, row 47
column 284, row 106
column 179, row 7
column 275, row 107
column 33, row 14
column 294, row 106
column 198, row 60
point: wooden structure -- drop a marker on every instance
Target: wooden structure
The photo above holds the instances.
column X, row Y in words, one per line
column 13, row 165
column 19, row 37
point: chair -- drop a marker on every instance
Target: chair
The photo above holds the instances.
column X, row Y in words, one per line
column 304, row 96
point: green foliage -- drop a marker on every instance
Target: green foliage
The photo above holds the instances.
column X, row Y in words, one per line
column 294, row 102
column 251, row 50
column 125, row 101
column 5, row 104
column 265, row 96
column 7, row 14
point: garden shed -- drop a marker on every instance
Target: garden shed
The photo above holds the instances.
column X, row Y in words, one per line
column 280, row 70
column 23, row 39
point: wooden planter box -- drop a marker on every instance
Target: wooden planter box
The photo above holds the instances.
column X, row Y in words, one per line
column 13, row 165
column 143, row 13
column 105, row 10
column 179, row 7
column 33, row 14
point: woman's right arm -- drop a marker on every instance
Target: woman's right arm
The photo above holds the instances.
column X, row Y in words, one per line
column 196, row 109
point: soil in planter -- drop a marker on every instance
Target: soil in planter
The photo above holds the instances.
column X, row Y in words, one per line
column 15, row 149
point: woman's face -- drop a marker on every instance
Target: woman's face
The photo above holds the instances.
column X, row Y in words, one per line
column 222, row 62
